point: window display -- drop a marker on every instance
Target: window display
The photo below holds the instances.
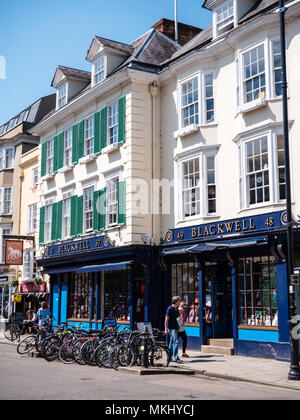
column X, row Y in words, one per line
column 79, row 296
column 257, row 291
column 116, row 291
column 186, row 285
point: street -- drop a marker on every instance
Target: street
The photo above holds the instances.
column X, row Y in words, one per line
column 24, row 378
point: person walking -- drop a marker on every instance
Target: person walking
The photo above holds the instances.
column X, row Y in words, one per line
column 181, row 331
column 172, row 327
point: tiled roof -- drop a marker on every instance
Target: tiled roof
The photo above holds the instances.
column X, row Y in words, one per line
column 120, row 46
column 78, row 74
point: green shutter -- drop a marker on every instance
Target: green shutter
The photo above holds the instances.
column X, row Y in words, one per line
column 59, row 221
column 55, row 154
column 81, row 139
column 54, row 222
column 122, row 118
column 80, row 215
column 44, row 159
column 97, row 128
column 102, row 208
column 103, row 128
column 75, row 145
column 122, row 203
column 61, row 150
column 96, row 215
column 42, row 224
column 74, row 215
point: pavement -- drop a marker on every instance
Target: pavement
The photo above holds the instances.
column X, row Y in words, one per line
column 267, row 372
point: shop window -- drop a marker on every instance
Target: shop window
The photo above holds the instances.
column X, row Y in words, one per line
column 257, row 291
column 186, row 285
column 79, row 296
column 116, row 291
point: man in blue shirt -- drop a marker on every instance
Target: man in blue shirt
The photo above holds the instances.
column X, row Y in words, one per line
column 172, row 327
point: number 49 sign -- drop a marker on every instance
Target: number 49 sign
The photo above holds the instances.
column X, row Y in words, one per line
column 14, row 253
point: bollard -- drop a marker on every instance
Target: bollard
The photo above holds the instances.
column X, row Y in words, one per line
column 144, row 352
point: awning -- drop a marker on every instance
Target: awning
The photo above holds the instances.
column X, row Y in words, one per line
column 104, row 267
column 59, row 270
column 192, row 249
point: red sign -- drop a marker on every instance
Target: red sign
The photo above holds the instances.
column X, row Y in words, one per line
column 14, row 252
column 33, row 287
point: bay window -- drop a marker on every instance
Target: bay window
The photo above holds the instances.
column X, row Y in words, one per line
column 190, row 102
column 6, row 158
column 261, row 170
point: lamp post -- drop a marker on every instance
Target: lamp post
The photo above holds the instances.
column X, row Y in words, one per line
column 294, row 373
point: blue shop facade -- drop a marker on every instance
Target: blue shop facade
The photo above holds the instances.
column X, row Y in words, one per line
column 231, row 275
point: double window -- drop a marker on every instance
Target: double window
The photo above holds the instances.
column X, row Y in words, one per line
column 112, row 201
column 197, row 99
column 224, row 17
column 48, row 223
column 261, row 170
column 68, row 147
column 66, row 218
column 50, row 156
column 198, row 195
column 29, row 265
column 112, row 123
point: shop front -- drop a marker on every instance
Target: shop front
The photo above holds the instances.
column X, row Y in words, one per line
column 92, row 280
column 4, row 298
column 232, row 277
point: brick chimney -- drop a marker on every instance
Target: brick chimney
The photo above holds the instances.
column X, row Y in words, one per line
column 185, row 32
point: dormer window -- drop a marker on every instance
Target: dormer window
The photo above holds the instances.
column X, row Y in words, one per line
column 61, row 96
column 26, row 114
column 224, row 18
column 99, row 70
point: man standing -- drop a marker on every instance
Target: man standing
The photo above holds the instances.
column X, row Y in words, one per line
column 172, row 327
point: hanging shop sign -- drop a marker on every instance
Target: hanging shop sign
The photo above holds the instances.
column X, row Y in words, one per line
column 234, row 227
column 17, row 298
column 13, row 252
column 79, row 247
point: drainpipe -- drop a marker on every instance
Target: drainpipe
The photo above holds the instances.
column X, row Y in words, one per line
column 154, row 92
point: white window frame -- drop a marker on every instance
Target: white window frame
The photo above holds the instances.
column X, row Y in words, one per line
column 32, row 218
column 99, row 73
column 48, row 220
column 50, row 156
column 202, row 155
column 66, row 216
column 62, row 95
column 112, row 123
column 272, row 68
column 35, row 177
column 4, row 159
column 4, row 230
column 271, row 136
column 29, row 272
column 202, row 120
column 89, row 134
column 68, row 147
column 3, row 211
column 88, row 211
column 113, row 180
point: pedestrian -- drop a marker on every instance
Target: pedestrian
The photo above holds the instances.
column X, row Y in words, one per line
column 181, row 332
column 42, row 314
column 172, row 327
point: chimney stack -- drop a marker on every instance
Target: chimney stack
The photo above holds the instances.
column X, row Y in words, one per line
column 185, row 32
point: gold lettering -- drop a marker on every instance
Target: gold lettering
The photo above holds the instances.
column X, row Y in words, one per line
column 245, row 227
column 237, row 226
column 229, row 226
column 212, row 229
column 206, row 232
column 194, row 233
column 252, row 226
column 199, row 231
column 220, row 228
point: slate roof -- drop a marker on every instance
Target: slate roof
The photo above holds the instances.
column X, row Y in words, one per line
column 37, row 111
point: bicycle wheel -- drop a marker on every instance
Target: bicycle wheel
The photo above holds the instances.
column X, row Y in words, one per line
column 88, row 353
column 101, row 356
column 51, row 348
column 65, row 353
column 77, row 351
column 11, row 333
column 113, row 357
column 159, row 356
column 27, row 344
column 126, row 356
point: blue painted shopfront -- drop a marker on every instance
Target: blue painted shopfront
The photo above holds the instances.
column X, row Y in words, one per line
column 201, row 263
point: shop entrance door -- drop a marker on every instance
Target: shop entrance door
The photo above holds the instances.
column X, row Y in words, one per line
column 218, row 304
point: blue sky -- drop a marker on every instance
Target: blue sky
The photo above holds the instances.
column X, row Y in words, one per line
column 38, row 35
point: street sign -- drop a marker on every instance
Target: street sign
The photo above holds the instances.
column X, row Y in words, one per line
column 17, row 298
